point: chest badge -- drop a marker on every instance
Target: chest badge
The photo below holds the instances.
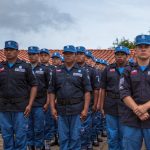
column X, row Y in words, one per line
column 1, row 69
column 112, row 70
column 134, row 72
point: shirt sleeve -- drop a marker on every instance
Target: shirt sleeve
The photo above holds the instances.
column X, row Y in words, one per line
column 125, row 84
column 48, row 77
column 31, row 78
column 52, row 80
column 95, row 80
column 103, row 81
column 86, row 82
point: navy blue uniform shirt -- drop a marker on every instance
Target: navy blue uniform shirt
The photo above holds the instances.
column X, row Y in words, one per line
column 135, row 83
column 42, row 74
column 14, row 85
column 69, row 86
column 110, row 82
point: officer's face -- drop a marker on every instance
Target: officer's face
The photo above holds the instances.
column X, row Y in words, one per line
column 56, row 61
column 69, row 57
column 143, row 51
column 11, row 54
column 103, row 66
column 97, row 66
column 44, row 58
column 33, row 58
column 80, row 58
column 120, row 57
column 88, row 60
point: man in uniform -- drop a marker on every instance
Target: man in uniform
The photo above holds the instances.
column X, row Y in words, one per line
column 41, row 103
column 15, row 98
column 134, row 90
column 49, row 130
column 87, row 132
column 56, row 59
column 110, row 98
column 71, row 86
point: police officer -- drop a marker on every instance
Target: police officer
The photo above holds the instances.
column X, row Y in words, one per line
column 134, row 90
column 82, row 56
column 111, row 99
column 56, row 59
column 15, row 98
column 71, row 86
column 49, row 130
column 41, row 103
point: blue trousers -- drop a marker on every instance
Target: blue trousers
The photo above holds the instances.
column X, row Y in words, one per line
column 86, row 131
column 96, row 124
column 69, row 132
column 50, row 125
column 133, row 138
column 114, row 132
column 36, row 127
column 14, row 130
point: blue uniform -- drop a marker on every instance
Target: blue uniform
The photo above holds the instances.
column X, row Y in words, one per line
column 36, row 118
column 88, row 125
column 113, row 106
column 69, row 87
column 135, row 83
column 14, row 97
column 50, row 123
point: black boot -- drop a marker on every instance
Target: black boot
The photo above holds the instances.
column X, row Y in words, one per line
column 31, row 148
column 47, row 145
column 40, row 148
column 99, row 138
column 104, row 134
column 95, row 143
column 54, row 141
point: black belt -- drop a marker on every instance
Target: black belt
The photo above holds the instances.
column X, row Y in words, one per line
column 69, row 101
column 13, row 100
column 113, row 95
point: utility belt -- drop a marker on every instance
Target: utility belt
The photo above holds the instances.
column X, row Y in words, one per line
column 13, row 100
column 69, row 101
column 113, row 95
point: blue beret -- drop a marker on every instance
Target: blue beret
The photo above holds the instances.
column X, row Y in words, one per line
column 11, row 45
column 89, row 54
column 142, row 39
column 98, row 60
column 122, row 49
column 80, row 49
column 44, row 50
column 56, row 54
column 33, row 50
column 70, row 48
column 104, row 62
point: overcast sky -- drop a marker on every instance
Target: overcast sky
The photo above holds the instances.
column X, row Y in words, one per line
column 55, row 23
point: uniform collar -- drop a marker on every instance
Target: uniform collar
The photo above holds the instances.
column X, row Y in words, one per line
column 74, row 66
column 18, row 61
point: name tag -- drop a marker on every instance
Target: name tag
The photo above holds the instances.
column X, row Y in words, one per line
column 19, row 70
column 1, row 69
column 39, row 72
column 77, row 74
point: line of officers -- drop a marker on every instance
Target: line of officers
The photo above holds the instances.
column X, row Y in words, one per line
column 74, row 98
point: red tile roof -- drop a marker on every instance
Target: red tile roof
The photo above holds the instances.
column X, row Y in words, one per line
column 98, row 53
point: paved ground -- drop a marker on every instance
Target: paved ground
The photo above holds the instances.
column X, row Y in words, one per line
column 103, row 145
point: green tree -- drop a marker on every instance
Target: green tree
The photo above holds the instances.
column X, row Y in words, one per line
column 124, row 42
